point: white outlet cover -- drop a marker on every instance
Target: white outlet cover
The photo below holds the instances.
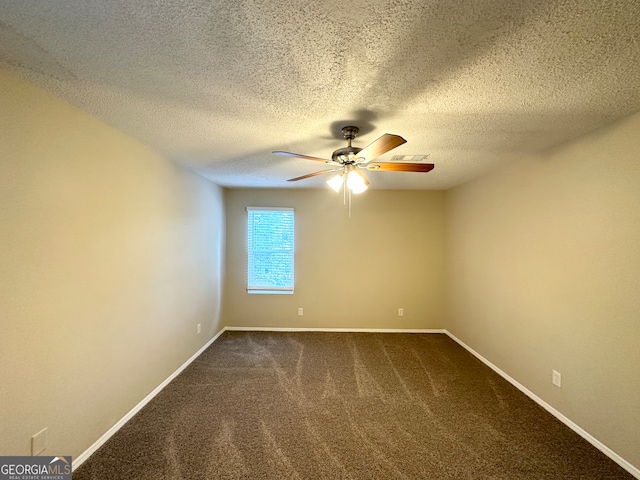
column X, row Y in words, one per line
column 556, row 379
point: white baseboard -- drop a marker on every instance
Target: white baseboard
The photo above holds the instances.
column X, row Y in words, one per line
column 109, row 433
column 352, row 330
column 573, row 426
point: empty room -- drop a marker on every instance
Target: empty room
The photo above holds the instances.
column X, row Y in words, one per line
column 320, row 240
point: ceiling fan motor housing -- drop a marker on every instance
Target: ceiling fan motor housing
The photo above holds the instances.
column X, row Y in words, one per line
column 345, row 155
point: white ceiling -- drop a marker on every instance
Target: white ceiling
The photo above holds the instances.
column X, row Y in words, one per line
column 216, row 86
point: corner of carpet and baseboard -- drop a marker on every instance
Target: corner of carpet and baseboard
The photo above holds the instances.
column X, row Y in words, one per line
column 80, row 459
column 568, row 422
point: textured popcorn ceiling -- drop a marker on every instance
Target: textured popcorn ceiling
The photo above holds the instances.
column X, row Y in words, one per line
column 217, row 86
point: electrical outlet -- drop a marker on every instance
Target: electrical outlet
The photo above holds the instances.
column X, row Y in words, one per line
column 198, row 328
column 556, row 379
column 300, row 311
column 39, row 442
column 401, row 312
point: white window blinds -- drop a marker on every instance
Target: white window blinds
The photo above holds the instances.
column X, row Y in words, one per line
column 270, row 241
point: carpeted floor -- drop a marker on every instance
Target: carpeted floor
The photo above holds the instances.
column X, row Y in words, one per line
column 264, row 405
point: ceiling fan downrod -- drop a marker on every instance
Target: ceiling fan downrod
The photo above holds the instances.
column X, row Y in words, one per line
column 350, row 133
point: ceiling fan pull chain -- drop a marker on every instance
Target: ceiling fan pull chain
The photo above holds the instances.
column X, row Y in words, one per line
column 344, row 189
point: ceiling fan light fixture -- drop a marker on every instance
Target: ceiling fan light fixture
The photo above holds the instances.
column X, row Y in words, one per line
column 356, row 182
column 336, row 182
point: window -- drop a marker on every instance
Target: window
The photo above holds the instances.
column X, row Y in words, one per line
column 270, row 250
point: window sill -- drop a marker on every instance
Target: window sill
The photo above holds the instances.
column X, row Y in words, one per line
column 270, row 292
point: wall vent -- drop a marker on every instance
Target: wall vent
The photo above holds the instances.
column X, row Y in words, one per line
column 409, row 158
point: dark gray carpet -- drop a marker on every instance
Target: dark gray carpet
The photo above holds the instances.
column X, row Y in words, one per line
column 261, row 405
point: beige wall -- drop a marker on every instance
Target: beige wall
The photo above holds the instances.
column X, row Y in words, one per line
column 349, row 272
column 543, row 262
column 109, row 257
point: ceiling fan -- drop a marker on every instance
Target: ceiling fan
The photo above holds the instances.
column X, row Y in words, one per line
column 348, row 160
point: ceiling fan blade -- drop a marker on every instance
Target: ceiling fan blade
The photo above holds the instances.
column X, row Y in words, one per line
column 380, row 146
column 399, row 167
column 314, row 174
column 297, row 155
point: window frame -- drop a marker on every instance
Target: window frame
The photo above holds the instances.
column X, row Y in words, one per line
column 270, row 289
